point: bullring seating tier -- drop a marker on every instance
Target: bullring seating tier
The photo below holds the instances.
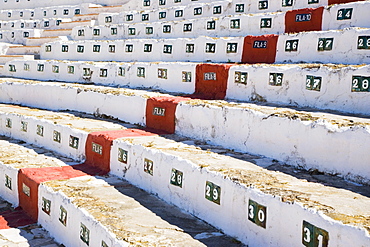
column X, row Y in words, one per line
column 349, row 46
column 300, row 135
column 233, row 25
column 268, row 145
column 31, row 4
column 300, row 85
column 206, row 184
column 340, row 15
column 113, row 195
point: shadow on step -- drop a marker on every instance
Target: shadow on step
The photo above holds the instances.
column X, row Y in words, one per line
column 14, row 218
column 315, row 176
column 186, row 223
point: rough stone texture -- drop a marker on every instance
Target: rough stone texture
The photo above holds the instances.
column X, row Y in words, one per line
column 62, row 118
column 138, row 217
column 20, row 155
column 328, row 196
column 130, row 213
column 31, row 235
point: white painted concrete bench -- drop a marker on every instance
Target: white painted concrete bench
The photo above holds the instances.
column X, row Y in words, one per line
column 206, row 184
column 304, row 139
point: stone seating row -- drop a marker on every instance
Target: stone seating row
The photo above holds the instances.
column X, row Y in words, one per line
column 44, row 24
column 297, row 138
column 332, row 18
column 55, row 12
column 71, row 223
column 32, row 4
column 60, row 11
column 6, row 58
column 22, row 50
column 348, row 46
column 303, row 85
column 227, row 26
column 247, row 6
column 33, row 37
column 216, row 10
column 201, row 182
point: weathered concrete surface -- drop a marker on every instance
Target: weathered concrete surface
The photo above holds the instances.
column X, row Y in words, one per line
column 32, row 235
column 346, row 206
column 130, row 213
column 63, row 118
column 19, row 154
column 138, row 217
column 313, row 176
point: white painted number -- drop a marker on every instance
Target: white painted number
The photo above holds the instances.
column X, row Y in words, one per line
column 294, row 45
column 355, row 83
column 173, row 177
column 215, row 194
column 179, row 179
column 287, row 46
column 321, row 43
column 316, row 83
column 279, row 79
column 261, row 215
column 328, row 43
column 257, row 213
column 360, row 42
column 251, row 211
column 308, row 82
column 365, row 84
column 208, row 191
column 307, row 235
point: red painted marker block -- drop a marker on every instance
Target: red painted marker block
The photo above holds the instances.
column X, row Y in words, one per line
column 160, row 113
column 330, row 2
column 98, row 146
column 211, row 81
column 260, row 49
column 29, row 180
column 300, row 20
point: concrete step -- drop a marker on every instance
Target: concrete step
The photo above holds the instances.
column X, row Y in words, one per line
column 206, row 184
column 299, row 85
column 303, row 138
column 72, row 24
column 17, row 229
column 56, row 32
column 229, row 7
column 346, row 46
column 229, row 25
column 6, row 58
column 86, row 17
column 26, row 25
column 24, row 50
column 103, row 9
column 108, row 209
column 38, row 41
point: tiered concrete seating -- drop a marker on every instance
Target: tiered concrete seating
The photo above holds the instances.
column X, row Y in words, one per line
column 24, row 50
column 347, row 46
column 252, row 112
column 19, row 25
column 137, row 108
column 30, row 4
column 34, row 182
column 234, row 25
column 305, row 85
column 148, row 160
